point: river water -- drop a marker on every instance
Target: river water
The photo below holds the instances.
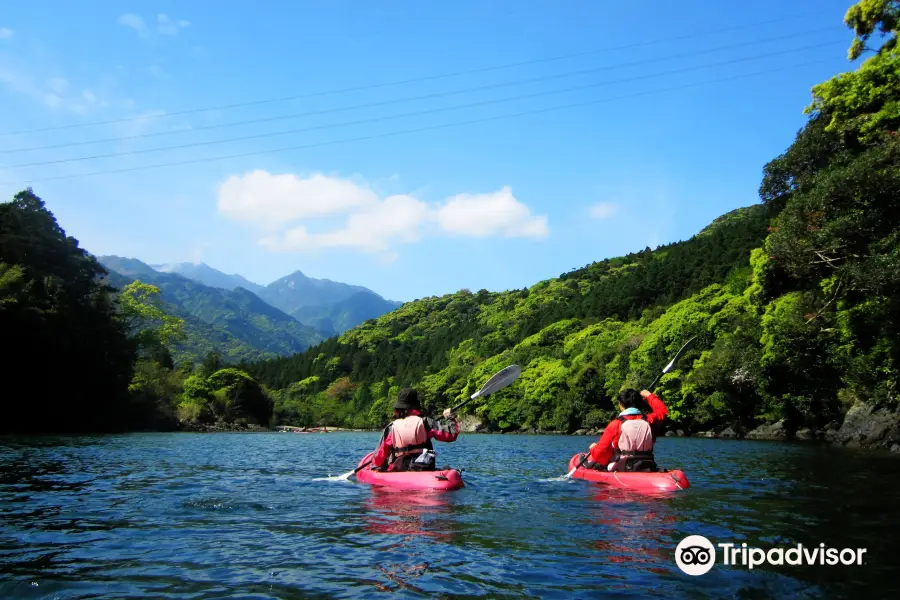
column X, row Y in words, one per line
column 240, row 515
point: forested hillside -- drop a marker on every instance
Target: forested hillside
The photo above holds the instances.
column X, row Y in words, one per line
column 552, row 329
column 235, row 323
column 329, row 307
column 795, row 302
column 107, row 347
column 338, row 317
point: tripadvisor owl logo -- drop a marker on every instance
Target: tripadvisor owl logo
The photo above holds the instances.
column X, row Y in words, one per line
column 696, row 555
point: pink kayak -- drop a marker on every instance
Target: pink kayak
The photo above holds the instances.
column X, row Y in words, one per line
column 449, row 479
column 665, row 481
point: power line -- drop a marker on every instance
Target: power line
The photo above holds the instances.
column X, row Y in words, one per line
column 414, row 79
column 415, row 130
column 416, row 98
column 409, row 114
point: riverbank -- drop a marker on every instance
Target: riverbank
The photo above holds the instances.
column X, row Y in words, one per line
column 193, row 427
column 864, row 426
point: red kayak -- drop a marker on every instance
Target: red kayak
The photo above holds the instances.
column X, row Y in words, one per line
column 449, row 479
column 666, row 481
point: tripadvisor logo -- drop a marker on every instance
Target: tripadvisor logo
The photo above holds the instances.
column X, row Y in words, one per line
column 696, row 555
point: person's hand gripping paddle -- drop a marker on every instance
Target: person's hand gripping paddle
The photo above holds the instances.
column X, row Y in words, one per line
column 499, row 381
column 649, row 388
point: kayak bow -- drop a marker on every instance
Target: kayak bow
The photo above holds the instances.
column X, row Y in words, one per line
column 664, row 481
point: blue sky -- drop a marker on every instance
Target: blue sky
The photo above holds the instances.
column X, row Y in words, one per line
column 669, row 130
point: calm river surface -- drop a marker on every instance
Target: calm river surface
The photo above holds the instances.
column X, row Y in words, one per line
column 239, row 515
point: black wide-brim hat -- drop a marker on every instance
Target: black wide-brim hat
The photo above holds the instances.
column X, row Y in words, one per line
column 408, row 399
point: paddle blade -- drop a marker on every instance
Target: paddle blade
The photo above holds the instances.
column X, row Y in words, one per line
column 499, row 381
column 678, row 355
column 570, row 473
column 341, row 477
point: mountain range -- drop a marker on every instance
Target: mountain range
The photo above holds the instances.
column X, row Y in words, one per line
column 329, row 306
column 244, row 320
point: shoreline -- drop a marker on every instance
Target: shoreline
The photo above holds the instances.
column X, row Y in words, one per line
column 864, row 426
column 893, row 449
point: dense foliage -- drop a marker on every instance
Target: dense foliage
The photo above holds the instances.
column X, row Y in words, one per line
column 795, row 304
column 794, row 301
column 67, row 350
column 339, row 316
column 97, row 358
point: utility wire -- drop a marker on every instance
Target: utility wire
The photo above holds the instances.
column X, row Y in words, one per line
column 416, row 98
column 409, row 114
column 415, row 79
column 415, row 130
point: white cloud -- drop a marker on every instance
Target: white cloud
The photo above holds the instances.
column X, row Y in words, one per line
column 395, row 219
column 136, row 23
column 273, row 200
column 52, row 92
column 157, row 71
column 6, row 33
column 603, row 210
column 165, row 25
column 495, row 213
column 284, row 204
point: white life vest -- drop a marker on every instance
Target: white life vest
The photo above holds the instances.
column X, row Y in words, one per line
column 409, row 436
column 635, row 443
column 635, row 436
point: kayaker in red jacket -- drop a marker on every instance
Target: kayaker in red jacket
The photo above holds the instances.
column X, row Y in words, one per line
column 406, row 443
column 627, row 443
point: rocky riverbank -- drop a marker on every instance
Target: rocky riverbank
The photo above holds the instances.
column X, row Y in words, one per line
column 245, row 428
column 864, row 426
column 220, row 427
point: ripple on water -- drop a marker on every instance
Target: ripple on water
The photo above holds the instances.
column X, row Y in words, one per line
column 243, row 515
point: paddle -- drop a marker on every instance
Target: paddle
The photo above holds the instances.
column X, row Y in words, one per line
column 667, row 368
column 499, row 381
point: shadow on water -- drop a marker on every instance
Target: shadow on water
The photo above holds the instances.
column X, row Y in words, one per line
column 209, row 515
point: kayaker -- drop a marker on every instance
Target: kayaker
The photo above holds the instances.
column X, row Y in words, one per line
column 406, row 443
column 627, row 443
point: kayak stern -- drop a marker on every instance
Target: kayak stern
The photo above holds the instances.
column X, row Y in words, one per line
column 443, row 480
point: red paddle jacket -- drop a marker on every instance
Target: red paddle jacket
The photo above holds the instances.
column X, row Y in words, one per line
column 433, row 429
column 609, row 441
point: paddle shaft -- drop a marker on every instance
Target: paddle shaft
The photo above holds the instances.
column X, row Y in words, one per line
column 487, row 389
column 584, row 460
column 649, row 389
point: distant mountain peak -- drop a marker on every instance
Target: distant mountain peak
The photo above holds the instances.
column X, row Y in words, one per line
column 329, row 305
column 174, row 267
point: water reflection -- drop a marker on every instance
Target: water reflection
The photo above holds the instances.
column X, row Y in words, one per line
column 409, row 514
column 168, row 516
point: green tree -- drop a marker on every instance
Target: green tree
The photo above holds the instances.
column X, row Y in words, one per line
column 12, row 279
column 142, row 309
column 245, row 399
column 868, row 16
column 60, row 328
